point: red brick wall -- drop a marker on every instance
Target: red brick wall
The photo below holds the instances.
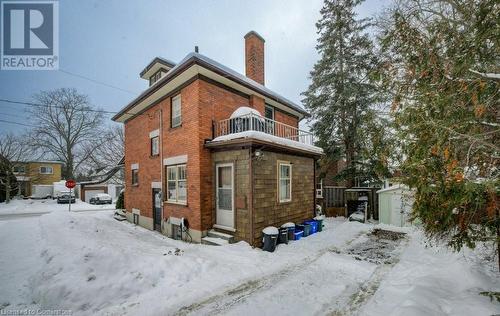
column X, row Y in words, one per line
column 286, row 118
column 137, row 150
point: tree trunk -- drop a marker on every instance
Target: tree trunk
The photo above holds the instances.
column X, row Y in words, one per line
column 7, row 189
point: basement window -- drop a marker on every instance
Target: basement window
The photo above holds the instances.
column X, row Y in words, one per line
column 284, row 182
column 177, row 184
column 46, row 170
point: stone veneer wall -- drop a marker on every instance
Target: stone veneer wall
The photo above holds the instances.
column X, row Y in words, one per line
column 267, row 209
column 241, row 189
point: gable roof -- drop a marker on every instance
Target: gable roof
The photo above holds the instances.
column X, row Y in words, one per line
column 210, row 64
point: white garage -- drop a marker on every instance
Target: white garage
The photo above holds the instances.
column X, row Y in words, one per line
column 394, row 205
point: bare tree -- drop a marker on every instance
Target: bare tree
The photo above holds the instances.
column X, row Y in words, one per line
column 13, row 149
column 66, row 127
column 108, row 154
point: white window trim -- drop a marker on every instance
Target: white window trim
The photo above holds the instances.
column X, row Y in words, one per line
column 154, row 133
column 176, row 201
column 284, row 163
column 319, row 192
column 272, row 109
column 134, row 166
column 51, row 170
column 172, row 111
column 175, row 160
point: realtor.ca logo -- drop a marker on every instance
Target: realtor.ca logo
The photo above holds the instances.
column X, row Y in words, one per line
column 30, row 35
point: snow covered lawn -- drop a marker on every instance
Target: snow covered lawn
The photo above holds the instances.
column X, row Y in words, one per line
column 87, row 262
column 46, row 206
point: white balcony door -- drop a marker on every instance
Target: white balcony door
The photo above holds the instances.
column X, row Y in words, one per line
column 225, row 195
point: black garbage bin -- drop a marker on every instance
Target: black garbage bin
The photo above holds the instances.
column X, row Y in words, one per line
column 307, row 229
column 269, row 239
column 283, row 235
column 291, row 230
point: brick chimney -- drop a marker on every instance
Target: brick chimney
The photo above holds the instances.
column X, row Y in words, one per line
column 254, row 57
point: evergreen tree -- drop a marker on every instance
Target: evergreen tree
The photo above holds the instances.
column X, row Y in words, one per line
column 442, row 65
column 341, row 95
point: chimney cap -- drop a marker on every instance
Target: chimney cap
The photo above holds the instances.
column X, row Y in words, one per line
column 255, row 34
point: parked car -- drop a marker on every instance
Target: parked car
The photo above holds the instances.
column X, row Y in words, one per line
column 101, row 198
column 65, row 198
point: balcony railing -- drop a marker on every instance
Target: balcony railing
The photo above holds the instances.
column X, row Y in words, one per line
column 254, row 122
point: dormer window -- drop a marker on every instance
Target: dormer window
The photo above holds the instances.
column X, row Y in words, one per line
column 157, row 76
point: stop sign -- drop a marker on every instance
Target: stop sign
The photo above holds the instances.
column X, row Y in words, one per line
column 70, row 184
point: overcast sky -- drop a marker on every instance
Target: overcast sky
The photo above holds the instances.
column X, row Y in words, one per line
column 112, row 41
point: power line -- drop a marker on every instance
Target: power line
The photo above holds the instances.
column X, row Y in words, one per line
column 16, row 123
column 56, row 106
column 97, row 81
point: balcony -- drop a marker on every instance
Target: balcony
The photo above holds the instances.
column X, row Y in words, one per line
column 253, row 122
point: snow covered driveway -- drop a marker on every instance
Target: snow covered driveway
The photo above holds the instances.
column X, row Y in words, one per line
column 89, row 263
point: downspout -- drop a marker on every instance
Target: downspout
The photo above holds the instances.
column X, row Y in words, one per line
column 314, row 188
column 161, row 167
column 250, row 193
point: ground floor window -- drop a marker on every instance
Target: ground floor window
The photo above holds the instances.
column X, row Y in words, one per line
column 284, row 181
column 176, row 184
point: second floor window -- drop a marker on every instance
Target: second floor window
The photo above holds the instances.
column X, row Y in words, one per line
column 155, row 146
column 176, row 111
column 177, row 184
column 46, row 170
column 135, row 177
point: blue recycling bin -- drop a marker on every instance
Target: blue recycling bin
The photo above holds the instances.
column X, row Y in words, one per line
column 314, row 226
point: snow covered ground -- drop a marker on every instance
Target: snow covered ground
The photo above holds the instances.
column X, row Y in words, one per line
column 87, row 262
column 29, row 206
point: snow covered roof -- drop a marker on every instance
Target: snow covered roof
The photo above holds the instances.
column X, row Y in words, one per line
column 157, row 60
column 268, row 138
column 212, row 65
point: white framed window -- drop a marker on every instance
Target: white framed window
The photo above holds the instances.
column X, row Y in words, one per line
column 176, row 184
column 284, row 182
column 155, row 146
column 46, row 170
column 319, row 189
column 176, row 111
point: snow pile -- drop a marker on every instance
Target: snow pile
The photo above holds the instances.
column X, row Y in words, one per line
column 92, row 264
column 245, row 110
column 46, row 206
column 269, row 138
column 436, row 281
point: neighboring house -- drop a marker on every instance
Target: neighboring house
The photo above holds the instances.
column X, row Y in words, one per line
column 108, row 180
column 36, row 178
column 225, row 150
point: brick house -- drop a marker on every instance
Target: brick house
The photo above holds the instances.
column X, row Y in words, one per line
column 225, row 150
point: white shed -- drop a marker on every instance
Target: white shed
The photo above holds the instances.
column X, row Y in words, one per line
column 394, row 205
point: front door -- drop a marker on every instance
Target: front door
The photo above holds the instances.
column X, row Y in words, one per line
column 157, row 209
column 224, row 195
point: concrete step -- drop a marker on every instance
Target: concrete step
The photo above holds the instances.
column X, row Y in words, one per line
column 215, row 234
column 213, row 241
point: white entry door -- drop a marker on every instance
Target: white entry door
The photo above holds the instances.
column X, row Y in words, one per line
column 224, row 195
